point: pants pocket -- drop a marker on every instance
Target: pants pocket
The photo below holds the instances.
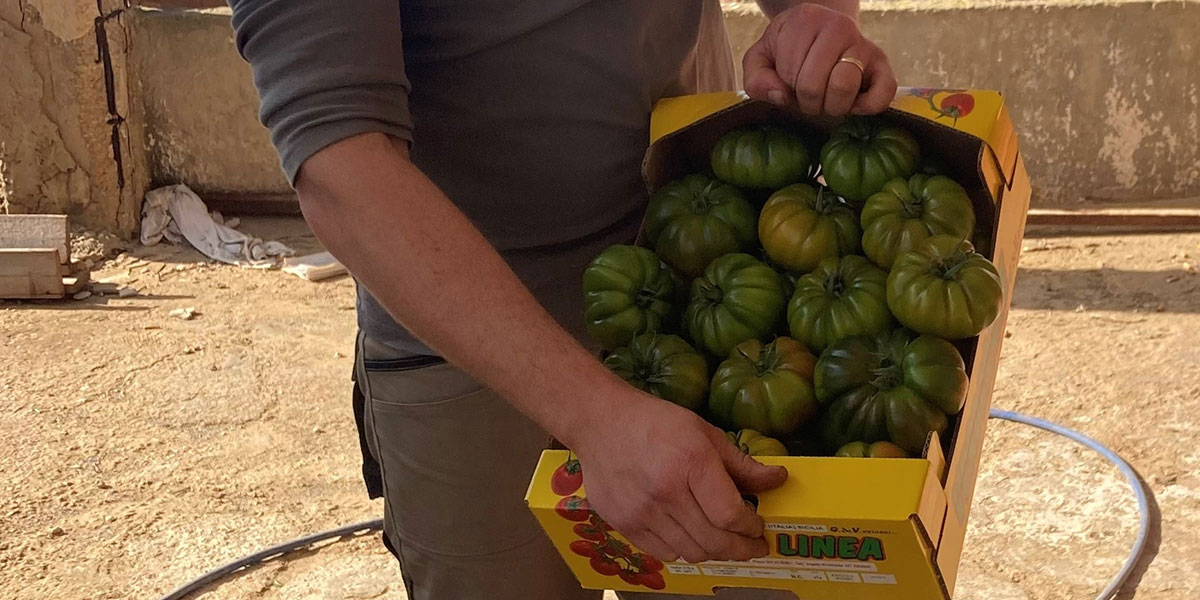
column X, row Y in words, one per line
column 456, row 460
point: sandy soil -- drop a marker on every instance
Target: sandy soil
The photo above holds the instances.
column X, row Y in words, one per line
column 146, row 449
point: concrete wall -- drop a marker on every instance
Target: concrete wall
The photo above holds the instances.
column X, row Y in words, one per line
column 1105, row 97
column 200, row 106
column 57, row 151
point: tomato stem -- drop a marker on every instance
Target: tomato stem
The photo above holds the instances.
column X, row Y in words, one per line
column 835, row 285
column 711, row 293
column 861, row 130
column 949, row 267
column 913, row 207
column 888, row 374
column 645, row 298
column 768, row 360
column 701, row 202
column 826, row 202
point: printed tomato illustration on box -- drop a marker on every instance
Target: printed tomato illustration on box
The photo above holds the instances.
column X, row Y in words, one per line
column 568, row 478
column 607, row 554
column 953, row 105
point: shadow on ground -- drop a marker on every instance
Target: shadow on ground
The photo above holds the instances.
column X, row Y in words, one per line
column 1176, row 291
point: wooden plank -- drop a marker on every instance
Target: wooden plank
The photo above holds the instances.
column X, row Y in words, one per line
column 283, row 204
column 314, row 267
column 30, row 273
column 1153, row 219
column 77, row 282
column 36, row 231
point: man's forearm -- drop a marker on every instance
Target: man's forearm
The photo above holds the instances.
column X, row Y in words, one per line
column 428, row 265
column 774, row 7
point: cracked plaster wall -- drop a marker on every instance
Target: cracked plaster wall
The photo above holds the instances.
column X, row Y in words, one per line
column 56, row 137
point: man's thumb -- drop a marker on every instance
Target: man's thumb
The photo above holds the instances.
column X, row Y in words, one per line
column 750, row 475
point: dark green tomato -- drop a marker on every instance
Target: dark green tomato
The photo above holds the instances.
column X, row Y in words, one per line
column 626, row 291
column 841, row 298
column 767, row 388
column 876, row 450
column 906, row 213
column 863, row 153
column 737, row 299
column 663, row 365
column 693, row 220
column 761, row 157
column 889, row 386
column 945, row 288
column 801, row 225
column 786, row 278
column 756, row 444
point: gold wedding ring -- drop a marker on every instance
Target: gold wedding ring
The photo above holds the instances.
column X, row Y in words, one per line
column 854, row 61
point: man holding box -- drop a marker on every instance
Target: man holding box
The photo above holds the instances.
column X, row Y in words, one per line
column 465, row 160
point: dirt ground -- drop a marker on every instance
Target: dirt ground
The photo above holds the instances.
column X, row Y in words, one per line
column 145, row 449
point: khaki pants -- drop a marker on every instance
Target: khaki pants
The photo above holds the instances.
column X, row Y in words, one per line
column 452, row 461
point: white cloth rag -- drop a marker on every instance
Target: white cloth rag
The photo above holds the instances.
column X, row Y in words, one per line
column 176, row 213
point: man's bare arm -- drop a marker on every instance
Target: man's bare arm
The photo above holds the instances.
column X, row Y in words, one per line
column 656, row 471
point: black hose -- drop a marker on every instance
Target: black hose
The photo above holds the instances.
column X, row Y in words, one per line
column 221, row 572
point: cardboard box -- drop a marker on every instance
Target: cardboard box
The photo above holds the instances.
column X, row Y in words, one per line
column 850, row 528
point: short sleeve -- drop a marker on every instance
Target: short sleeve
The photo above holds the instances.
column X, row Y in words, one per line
column 325, row 71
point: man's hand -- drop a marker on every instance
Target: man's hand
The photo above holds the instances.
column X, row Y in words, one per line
column 797, row 62
column 670, row 482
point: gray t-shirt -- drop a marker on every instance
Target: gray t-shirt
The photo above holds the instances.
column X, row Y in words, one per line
column 531, row 115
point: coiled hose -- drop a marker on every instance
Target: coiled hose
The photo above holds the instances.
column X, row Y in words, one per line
column 1110, row 590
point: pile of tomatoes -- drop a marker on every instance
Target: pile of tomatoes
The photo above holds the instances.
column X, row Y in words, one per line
column 805, row 295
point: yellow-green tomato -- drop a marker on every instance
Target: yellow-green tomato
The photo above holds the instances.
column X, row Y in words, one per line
column 756, row 444
column 876, row 450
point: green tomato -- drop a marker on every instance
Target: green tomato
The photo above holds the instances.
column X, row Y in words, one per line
column 765, row 157
column 863, row 153
column 737, row 299
column 801, row 225
column 766, row 388
column 890, row 386
column 693, row 220
column 756, row 444
column 945, row 288
column 665, row 366
column 876, row 450
column 906, row 213
column 841, row 298
column 626, row 291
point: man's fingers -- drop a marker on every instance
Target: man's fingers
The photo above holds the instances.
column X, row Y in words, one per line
column 723, row 506
column 813, row 80
column 749, row 475
column 845, row 82
column 762, row 82
column 881, row 87
column 789, row 51
column 650, row 542
column 681, row 539
column 719, row 544
column 717, row 494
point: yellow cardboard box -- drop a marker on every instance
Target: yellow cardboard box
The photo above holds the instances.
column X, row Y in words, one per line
column 845, row 528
